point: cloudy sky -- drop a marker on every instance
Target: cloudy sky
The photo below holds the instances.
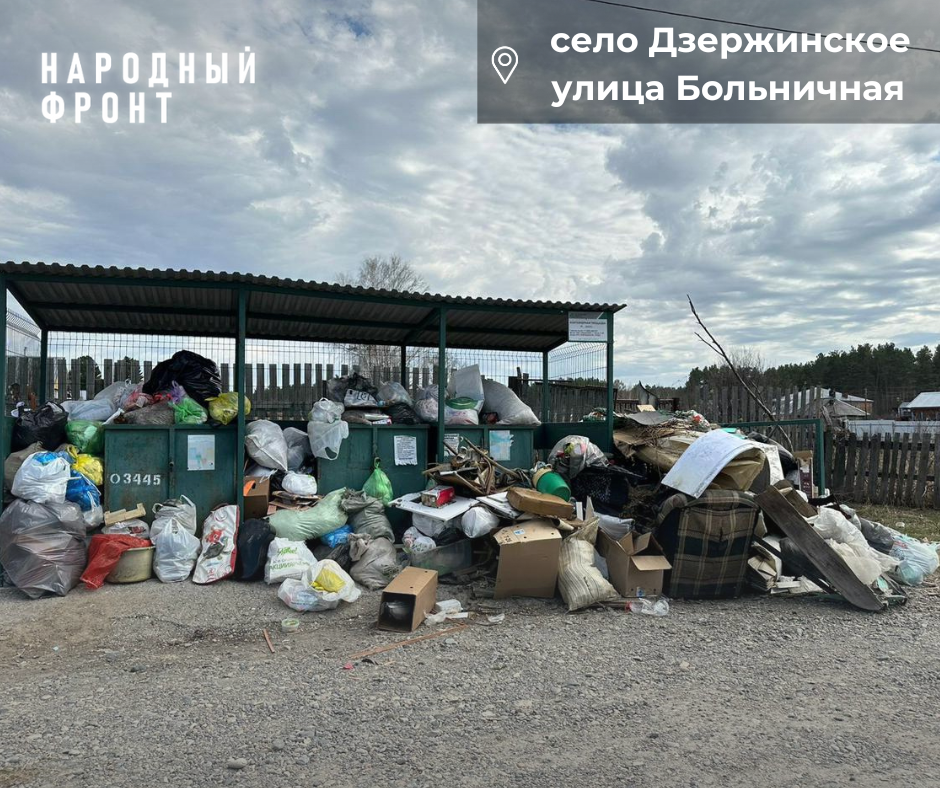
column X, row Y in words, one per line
column 359, row 137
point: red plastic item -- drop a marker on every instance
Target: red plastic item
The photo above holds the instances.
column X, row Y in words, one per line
column 104, row 552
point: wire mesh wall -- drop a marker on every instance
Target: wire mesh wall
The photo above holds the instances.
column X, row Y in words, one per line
column 283, row 378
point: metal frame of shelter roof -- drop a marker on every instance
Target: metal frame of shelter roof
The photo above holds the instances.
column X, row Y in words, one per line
column 71, row 298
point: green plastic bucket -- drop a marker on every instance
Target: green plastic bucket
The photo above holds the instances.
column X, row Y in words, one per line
column 551, row 483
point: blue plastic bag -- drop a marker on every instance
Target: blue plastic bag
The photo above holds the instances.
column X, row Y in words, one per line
column 337, row 537
column 81, row 490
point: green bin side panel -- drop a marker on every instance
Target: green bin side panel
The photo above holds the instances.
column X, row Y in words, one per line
column 205, row 488
column 522, row 447
column 136, row 467
column 404, row 478
column 353, row 464
column 595, row 431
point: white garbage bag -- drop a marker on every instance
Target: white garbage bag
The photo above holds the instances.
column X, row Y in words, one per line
column 322, row 587
column 478, row 521
column 299, row 484
column 180, row 510
column 287, row 560
column 175, row 552
column 265, row 444
column 90, row 410
column 219, row 532
column 326, row 438
column 43, row 477
column 326, row 411
column 503, row 400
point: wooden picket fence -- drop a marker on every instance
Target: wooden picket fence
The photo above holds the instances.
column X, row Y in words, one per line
column 279, row 391
column 898, row 470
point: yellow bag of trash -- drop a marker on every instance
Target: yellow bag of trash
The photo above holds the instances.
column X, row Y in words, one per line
column 328, row 580
column 90, row 466
column 224, row 408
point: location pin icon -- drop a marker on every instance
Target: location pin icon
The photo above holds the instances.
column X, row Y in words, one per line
column 505, row 61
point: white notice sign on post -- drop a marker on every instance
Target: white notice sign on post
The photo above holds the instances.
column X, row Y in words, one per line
column 587, row 327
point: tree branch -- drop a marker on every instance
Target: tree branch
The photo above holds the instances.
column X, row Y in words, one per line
column 715, row 345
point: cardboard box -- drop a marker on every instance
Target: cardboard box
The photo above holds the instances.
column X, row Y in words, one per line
column 257, row 498
column 538, row 503
column 416, row 590
column 636, row 564
column 528, row 559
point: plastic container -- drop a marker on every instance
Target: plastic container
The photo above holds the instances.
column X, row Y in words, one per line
column 134, row 566
column 290, row 625
column 551, row 483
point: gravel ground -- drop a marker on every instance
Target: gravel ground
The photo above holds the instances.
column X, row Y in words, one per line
column 150, row 685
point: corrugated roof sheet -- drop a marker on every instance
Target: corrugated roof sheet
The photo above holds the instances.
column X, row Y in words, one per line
column 926, row 399
column 139, row 300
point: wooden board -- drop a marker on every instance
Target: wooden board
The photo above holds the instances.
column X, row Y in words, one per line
column 825, row 560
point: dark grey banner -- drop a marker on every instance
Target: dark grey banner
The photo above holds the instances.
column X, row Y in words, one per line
column 766, row 61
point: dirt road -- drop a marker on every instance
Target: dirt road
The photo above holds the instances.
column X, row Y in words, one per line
column 151, row 685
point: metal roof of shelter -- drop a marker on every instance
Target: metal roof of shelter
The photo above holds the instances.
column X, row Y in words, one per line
column 144, row 301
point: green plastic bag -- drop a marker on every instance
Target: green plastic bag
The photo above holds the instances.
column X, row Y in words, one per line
column 188, row 411
column 86, row 436
column 378, row 485
column 312, row 523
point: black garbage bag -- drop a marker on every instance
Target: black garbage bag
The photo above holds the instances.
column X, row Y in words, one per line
column 254, row 537
column 402, row 414
column 197, row 374
column 45, row 425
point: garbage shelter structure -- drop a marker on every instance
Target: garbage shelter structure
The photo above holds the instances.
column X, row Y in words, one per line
column 395, row 440
column 80, row 306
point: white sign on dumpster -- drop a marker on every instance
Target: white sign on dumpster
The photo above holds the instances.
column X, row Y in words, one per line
column 587, row 327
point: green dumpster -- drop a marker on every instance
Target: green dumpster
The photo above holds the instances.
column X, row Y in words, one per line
column 511, row 447
column 366, row 442
column 148, row 464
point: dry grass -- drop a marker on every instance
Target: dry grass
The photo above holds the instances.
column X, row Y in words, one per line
column 919, row 523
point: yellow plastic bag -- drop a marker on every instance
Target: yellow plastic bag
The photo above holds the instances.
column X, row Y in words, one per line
column 329, row 581
column 90, row 466
column 224, row 408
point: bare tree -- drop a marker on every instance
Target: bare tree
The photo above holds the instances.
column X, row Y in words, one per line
column 386, row 273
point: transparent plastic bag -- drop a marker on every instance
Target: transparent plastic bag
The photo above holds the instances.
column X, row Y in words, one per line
column 15, row 461
column 326, row 438
column 82, row 491
column 415, row 542
column 179, row 510
column 326, row 411
column 43, row 477
column 378, row 485
column 917, row 560
column 298, row 448
column 117, row 393
column 188, row 411
column 299, row 484
column 89, row 410
column 322, row 587
column 132, row 527
column 650, row 606
column 42, row 546
column 86, row 436
column 478, row 521
column 175, row 552
column 266, row 445
column 394, row 394
column 90, row 466
column 224, row 408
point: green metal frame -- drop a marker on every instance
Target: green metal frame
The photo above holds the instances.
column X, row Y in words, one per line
column 241, row 291
column 819, row 456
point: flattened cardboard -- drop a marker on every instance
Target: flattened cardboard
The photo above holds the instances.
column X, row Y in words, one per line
column 528, row 559
column 257, row 499
column 635, row 563
column 535, row 502
column 417, row 588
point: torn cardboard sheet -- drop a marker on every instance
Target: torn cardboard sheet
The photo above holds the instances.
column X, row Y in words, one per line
column 716, row 453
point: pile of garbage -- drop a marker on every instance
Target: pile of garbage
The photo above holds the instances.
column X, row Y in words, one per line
column 53, row 519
